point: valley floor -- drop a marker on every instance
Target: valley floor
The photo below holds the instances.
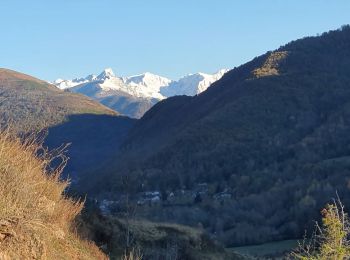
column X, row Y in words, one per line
column 272, row 249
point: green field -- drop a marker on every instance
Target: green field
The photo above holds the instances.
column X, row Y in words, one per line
column 269, row 249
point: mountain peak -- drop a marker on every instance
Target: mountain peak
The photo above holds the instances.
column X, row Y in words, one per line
column 149, row 74
column 106, row 73
column 148, row 80
column 90, row 77
column 192, row 84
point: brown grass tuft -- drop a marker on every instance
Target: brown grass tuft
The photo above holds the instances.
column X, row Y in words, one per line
column 36, row 217
column 134, row 254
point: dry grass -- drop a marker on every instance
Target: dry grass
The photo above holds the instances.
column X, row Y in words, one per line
column 36, row 218
column 271, row 65
column 134, row 254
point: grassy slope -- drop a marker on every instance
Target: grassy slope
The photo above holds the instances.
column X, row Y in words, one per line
column 155, row 240
column 29, row 103
column 36, row 218
column 277, row 249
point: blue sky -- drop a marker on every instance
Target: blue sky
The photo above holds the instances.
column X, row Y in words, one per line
column 71, row 38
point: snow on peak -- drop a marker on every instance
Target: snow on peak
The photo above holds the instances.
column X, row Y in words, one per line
column 91, row 77
column 192, row 84
column 106, row 74
column 146, row 85
column 58, row 81
column 148, row 80
column 64, row 84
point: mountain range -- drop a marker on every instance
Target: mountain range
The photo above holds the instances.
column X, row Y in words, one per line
column 134, row 95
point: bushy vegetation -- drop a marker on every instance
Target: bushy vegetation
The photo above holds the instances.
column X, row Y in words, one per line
column 276, row 139
column 36, row 218
column 331, row 240
column 134, row 239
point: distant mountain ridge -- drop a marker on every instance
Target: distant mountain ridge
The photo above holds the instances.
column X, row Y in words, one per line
column 30, row 103
column 134, row 95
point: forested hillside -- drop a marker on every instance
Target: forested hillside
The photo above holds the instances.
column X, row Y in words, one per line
column 269, row 141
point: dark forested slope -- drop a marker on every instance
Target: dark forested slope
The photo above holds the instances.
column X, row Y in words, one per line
column 272, row 135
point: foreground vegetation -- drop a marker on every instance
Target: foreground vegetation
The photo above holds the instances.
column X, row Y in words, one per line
column 331, row 239
column 36, row 218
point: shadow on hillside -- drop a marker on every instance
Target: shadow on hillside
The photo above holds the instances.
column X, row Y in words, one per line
column 93, row 140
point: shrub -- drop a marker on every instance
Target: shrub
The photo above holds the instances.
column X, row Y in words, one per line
column 331, row 240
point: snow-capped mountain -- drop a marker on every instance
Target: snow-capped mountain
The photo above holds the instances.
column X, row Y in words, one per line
column 192, row 84
column 149, row 83
column 64, row 84
column 106, row 74
column 134, row 95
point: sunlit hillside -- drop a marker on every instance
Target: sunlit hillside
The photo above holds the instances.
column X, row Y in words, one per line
column 30, row 103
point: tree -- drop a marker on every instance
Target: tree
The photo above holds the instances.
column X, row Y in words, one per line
column 331, row 240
